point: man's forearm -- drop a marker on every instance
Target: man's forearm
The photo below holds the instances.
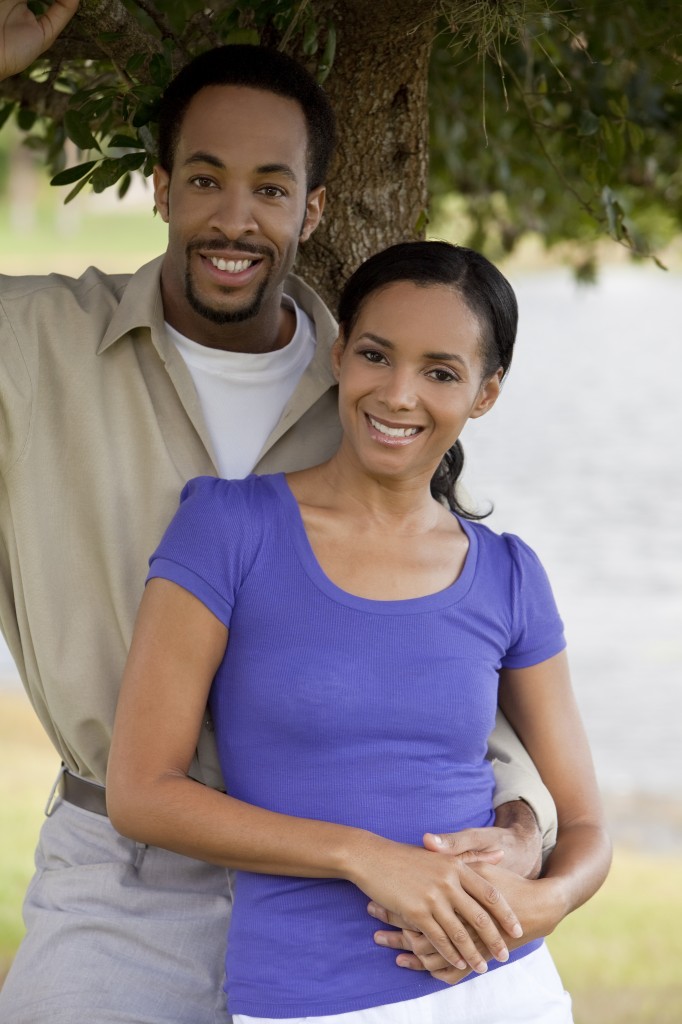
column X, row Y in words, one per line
column 517, row 779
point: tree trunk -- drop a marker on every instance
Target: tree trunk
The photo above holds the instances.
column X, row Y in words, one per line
column 377, row 189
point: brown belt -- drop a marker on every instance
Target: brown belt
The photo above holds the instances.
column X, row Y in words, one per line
column 89, row 796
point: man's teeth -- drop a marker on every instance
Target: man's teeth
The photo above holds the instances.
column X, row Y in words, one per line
column 232, row 266
column 393, row 431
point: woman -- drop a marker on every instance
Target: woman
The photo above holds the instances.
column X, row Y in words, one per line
column 371, row 621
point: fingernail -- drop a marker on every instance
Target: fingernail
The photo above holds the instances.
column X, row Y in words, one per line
column 437, row 839
column 481, row 968
column 461, row 965
column 380, row 939
column 372, row 909
column 517, row 931
column 503, row 956
column 402, row 961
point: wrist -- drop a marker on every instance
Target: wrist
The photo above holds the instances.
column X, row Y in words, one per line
column 523, row 845
column 359, row 856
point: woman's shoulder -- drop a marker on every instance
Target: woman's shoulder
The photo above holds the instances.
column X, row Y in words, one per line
column 228, row 495
column 500, row 544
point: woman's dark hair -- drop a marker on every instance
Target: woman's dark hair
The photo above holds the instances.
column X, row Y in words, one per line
column 486, row 292
column 254, row 67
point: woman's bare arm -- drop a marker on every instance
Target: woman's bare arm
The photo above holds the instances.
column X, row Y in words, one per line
column 540, row 704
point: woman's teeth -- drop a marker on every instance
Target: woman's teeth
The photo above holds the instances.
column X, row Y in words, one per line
column 393, row 431
column 232, row 266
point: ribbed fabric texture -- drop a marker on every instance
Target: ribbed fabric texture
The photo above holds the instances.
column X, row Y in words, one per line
column 329, row 706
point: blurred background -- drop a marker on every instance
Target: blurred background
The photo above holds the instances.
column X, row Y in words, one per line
column 581, row 458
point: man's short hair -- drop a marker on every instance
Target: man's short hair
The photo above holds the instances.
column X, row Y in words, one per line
column 254, row 67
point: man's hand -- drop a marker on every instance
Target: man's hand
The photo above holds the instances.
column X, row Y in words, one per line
column 521, row 840
column 539, row 905
column 23, row 37
column 515, row 841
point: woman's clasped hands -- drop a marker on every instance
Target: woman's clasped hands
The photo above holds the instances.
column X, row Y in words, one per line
column 441, row 897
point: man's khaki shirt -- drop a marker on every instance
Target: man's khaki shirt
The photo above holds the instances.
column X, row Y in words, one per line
column 100, row 428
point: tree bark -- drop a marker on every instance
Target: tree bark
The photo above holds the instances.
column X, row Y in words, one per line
column 377, row 189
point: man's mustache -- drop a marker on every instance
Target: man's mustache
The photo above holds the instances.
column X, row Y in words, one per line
column 220, row 244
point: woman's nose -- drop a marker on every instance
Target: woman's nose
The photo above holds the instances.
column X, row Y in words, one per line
column 399, row 391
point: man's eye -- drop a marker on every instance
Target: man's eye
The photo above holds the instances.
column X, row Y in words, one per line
column 271, row 191
column 202, row 182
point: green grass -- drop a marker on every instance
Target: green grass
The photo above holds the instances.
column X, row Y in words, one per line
column 68, row 240
column 619, row 955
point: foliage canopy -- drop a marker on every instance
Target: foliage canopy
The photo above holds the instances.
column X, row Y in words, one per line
column 562, row 119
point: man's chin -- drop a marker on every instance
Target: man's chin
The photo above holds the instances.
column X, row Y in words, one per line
column 232, row 314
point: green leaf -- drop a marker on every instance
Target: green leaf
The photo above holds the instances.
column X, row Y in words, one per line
column 26, row 118
column 159, row 70
column 125, row 142
column 421, row 223
column 310, row 38
column 243, row 35
column 5, row 113
column 78, row 130
column 636, row 135
column 135, row 63
column 72, row 174
column 327, row 61
column 588, row 123
column 108, row 173
column 79, row 187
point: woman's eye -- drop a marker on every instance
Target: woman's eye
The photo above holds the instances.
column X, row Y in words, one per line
column 442, row 376
column 371, row 356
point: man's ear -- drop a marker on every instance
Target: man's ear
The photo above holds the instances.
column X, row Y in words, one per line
column 314, row 205
column 488, row 395
column 337, row 354
column 161, row 186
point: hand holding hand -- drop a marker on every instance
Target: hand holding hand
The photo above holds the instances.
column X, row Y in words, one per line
column 23, row 36
column 442, row 898
column 540, row 907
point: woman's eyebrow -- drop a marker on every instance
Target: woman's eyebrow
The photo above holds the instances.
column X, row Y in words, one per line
column 385, row 343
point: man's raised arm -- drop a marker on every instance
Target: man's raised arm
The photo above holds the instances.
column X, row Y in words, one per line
column 23, row 36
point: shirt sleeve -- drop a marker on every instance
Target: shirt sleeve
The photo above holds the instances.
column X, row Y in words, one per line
column 207, row 547
column 16, row 392
column 537, row 629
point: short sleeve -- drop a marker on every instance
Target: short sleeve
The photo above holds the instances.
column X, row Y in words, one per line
column 537, row 630
column 207, row 547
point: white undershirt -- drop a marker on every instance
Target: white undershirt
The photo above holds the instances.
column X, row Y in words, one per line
column 243, row 394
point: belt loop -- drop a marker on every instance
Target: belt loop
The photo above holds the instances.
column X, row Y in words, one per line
column 51, row 800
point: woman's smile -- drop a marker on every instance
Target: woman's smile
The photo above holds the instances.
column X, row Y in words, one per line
column 391, row 434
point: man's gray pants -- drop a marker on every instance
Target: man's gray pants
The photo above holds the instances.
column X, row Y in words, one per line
column 117, row 933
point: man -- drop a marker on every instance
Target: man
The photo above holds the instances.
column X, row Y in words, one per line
column 113, row 392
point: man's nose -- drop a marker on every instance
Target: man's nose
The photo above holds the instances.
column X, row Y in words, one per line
column 234, row 214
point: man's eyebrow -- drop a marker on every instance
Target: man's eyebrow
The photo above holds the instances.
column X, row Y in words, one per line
column 385, row 343
column 284, row 169
column 201, row 157
column 204, row 158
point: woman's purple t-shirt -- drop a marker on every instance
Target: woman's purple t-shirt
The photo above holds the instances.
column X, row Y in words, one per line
column 368, row 713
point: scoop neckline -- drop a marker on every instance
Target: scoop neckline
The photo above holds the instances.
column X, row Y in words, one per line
column 404, row 606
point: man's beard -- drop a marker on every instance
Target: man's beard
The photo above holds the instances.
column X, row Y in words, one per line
column 224, row 316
